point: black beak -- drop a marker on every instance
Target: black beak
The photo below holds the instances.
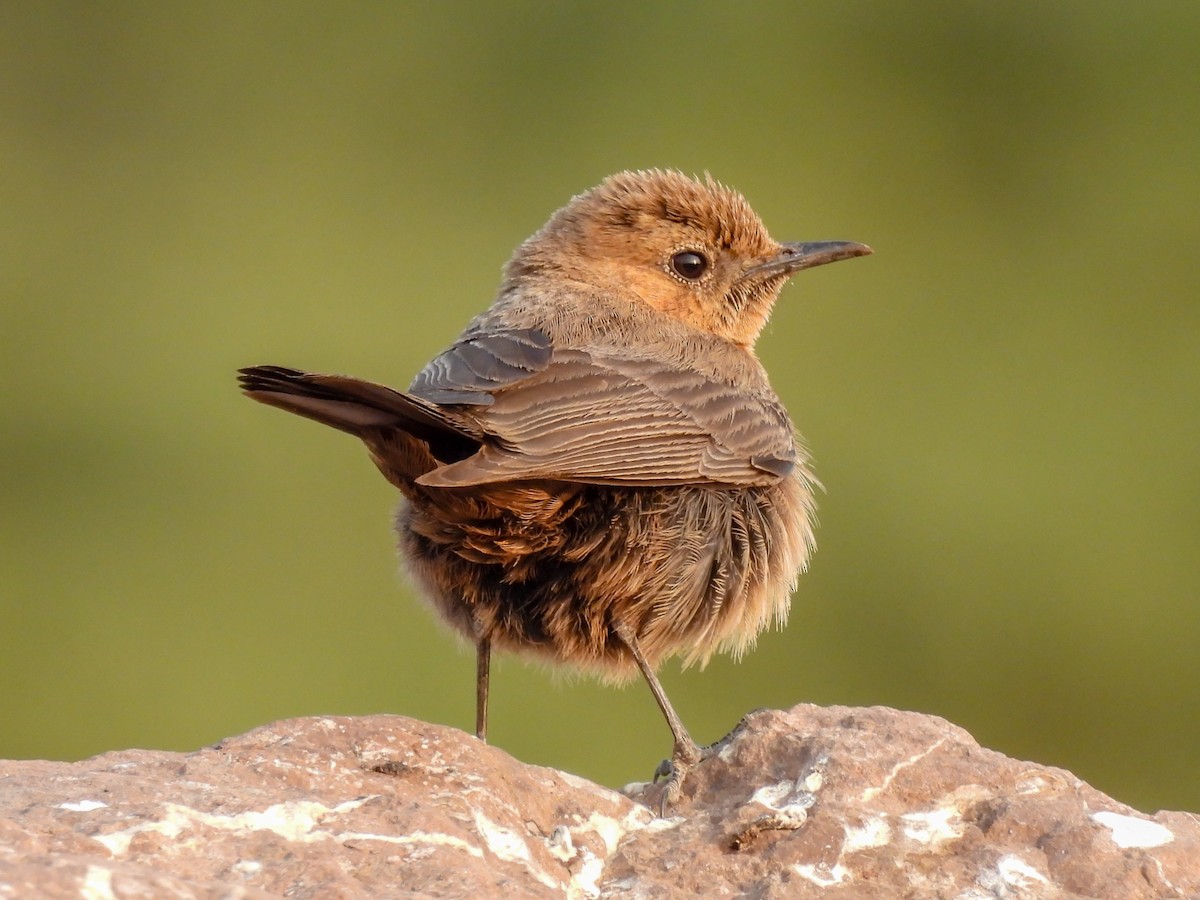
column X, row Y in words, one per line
column 793, row 257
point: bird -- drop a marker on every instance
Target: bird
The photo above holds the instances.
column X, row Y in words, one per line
column 597, row 472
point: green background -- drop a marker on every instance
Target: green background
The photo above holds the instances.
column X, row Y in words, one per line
column 1004, row 402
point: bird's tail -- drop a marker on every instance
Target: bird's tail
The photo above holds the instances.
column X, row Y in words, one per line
column 361, row 408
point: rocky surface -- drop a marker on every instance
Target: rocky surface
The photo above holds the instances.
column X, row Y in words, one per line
column 809, row 802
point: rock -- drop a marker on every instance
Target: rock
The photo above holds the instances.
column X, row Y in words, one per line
column 809, row 802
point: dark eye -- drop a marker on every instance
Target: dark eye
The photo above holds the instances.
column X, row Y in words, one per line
column 689, row 264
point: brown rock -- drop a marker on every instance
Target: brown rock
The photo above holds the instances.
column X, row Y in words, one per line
column 804, row 803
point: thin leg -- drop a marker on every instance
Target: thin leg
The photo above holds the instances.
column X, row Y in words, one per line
column 685, row 754
column 483, row 658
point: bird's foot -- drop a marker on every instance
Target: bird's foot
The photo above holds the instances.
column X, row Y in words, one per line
column 684, row 758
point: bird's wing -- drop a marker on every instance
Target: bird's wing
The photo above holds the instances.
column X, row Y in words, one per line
column 594, row 418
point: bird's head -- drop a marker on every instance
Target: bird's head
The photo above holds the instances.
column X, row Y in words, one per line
column 693, row 250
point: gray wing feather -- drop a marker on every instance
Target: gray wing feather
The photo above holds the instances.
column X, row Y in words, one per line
column 471, row 370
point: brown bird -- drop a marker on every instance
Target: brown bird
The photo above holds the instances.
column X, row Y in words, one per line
column 597, row 472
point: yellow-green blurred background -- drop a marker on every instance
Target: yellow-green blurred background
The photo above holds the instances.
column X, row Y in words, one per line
column 1004, row 402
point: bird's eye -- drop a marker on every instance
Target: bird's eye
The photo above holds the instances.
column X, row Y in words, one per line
column 689, row 265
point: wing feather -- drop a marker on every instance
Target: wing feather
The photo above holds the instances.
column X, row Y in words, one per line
column 473, row 368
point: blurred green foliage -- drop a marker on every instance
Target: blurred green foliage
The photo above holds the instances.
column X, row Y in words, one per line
column 1004, row 402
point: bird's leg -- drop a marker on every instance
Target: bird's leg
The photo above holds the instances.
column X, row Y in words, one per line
column 685, row 754
column 483, row 658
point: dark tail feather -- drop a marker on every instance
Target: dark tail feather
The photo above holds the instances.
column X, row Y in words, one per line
column 359, row 407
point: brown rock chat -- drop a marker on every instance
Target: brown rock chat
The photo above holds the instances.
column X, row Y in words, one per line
column 597, row 472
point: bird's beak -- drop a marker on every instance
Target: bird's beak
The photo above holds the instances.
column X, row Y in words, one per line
column 793, row 257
